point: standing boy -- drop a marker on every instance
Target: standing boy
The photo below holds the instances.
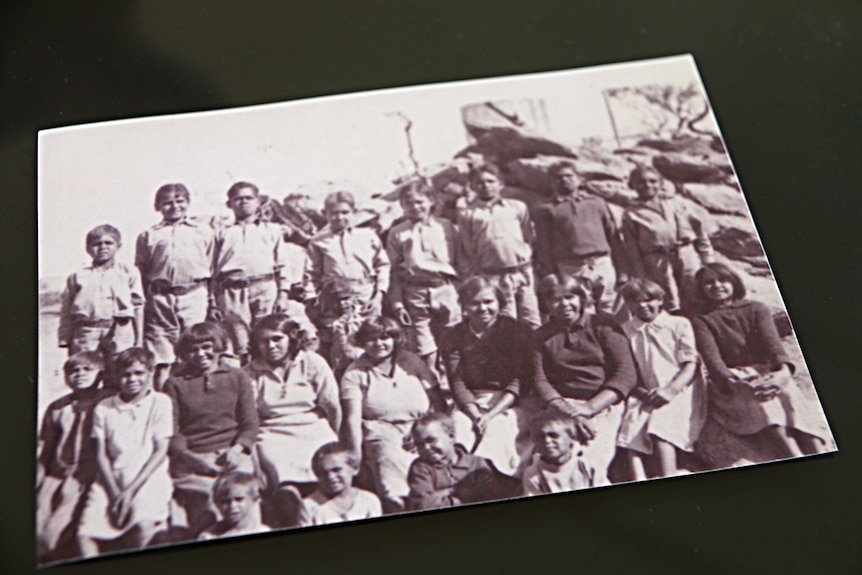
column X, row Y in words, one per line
column 101, row 305
column 422, row 251
column 175, row 261
column 496, row 236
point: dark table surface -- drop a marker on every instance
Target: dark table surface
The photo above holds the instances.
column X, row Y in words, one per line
column 784, row 81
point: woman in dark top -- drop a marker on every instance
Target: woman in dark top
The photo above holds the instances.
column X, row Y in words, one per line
column 490, row 362
column 586, row 371
column 751, row 376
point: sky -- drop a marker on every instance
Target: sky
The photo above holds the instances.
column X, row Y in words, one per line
column 108, row 172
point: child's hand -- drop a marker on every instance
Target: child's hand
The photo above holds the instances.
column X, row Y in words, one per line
column 231, row 458
column 661, row 396
column 214, row 313
column 401, row 314
column 473, row 412
column 584, row 430
column 481, row 424
column 121, row 509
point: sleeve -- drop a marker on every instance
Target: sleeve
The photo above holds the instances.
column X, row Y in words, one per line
column 246, row 412
column 313, row 269
column 279, row 254
column 136, row 288
column 531, row 484
column 351, row 385
column 618, row 254
column 66, row 328
column 686, row 350
column 163, row 418
column 423, row 492
column 49, row 437
column 142, row 255
column 218, row 242
column 395, row 252
column 178, row 443
column 702, row 243
column 308, row 514
column 543, row 386
column 526, row 223
column 451, row 352
column 710, row 352
column 527, row 362
column 211, row 249
column 381, row 264
column 98, row 431
column 427, row 378
column 632, row 246
column 620, row 371
column 468, row 249
column 543, row 248
column 774, row 350
column 327, row 393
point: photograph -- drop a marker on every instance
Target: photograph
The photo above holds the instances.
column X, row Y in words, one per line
column 356, row 306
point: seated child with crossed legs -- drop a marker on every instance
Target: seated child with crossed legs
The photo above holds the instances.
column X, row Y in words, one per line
column 335, row 499
column 237, row 496
column 556, row 466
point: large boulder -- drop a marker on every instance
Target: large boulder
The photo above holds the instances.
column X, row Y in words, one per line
column 502, row 145
column 682, row 167
column 716, row 198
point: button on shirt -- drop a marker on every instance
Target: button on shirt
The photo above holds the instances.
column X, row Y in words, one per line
column 249, row 249
column 495, row 235
column 179, row 253
column 660, row 347
column 352, row 253
column 421, row 250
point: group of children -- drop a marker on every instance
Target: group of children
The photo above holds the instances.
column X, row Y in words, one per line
column 214, row 395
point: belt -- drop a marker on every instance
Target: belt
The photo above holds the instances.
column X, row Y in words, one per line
column 240, row 283
column 506, row 270
column 426, row 282
column 585, row 257
column 162, row 287
column 104, row 322
column 672, row 248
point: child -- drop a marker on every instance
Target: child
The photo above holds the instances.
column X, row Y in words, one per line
column 237, row 496
column 355, row 255
column 339, row 327
column 101, row 305
column 249, row 262
column 555, row 467
column 422, row 250
column 666, row 412
column 216, row 422
column 664, row 241
column 496, row 238
column 751, row 376
column 131, row 431
column 67, row 460
column 175, row 261
column 445, row 474
column 335, row 499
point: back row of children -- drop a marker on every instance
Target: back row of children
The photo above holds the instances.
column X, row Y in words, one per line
column 588, row 383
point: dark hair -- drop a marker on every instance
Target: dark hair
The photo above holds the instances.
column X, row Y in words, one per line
column 476, row 284
column 340, row 197
column 332, row 448
column 637, row 174
column 200, row 333
column 723, row 273
column 169, row 190
column 444, row 419
column 298, row 338
column 376, row 327
column 640, row 289
column 133, row 355
column 235, row 189
column 487, row 168
column 557, row 167
column 559, row 284
column 549, row 416
column 93, row 358
column 103, row 230
column 235, row 478
column 420, row 187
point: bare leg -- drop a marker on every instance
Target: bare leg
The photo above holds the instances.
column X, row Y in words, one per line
column 88, row 546
column 636, row 463
column 141, row 535
column 809, row 443
column 666, row 457
column 779, row 434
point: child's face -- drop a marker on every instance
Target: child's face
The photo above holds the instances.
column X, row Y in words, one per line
column 202, row 355
column 488, row 186
column 566, row 181
column 103, row 248
column 483, row 308
column 566, row 308
column 434, row 444
column 646, row 310
column 235, row 503
column 244, row 203
column 334, row 474
column 273, row 346
column 554, row 442
column 648, row 185
column 339, row 215
column 379, row 347
column 135, row 380
column 174, row 207
column 416, row 206
column 717, row 289
column 82, row 376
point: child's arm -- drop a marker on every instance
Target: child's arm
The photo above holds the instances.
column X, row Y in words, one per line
column 395, row 252
column 632, row 247
column 504, row 402
column 327, row 395
column 121, row 506
column 686, row 358
column 351, row 401
column 137, row 291
column 432, row 387
column 543, row 248
column 67, row 322
column 381, row 265
column 711, row 354
column 178, row 446
column 423, row 491
column 618, row 254
column 247, row 422
column 468, row 249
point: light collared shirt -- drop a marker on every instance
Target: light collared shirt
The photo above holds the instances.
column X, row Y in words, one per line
column 421, row 250
column 660, row 347
column 179, row 253
column 351, row 253
column 249, row 249
column 496, row 234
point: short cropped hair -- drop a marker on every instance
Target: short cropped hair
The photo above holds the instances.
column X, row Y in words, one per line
column 222, row 485
column 640, row 289
column 722, row 272
column 340, row 197
column 486, row 168
column 420, row 188
column 199, row 333
column 235, row 189
column 92, row 358
column 298, row 338
column 557, row 167
column 103, row 230
column 556, row 285
column 133, row 355
column 376, row 327
column 470, row 288
column 639, row 172
column 444, row 419
column 332, row 448
column 549, row 416
column 168, row 190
